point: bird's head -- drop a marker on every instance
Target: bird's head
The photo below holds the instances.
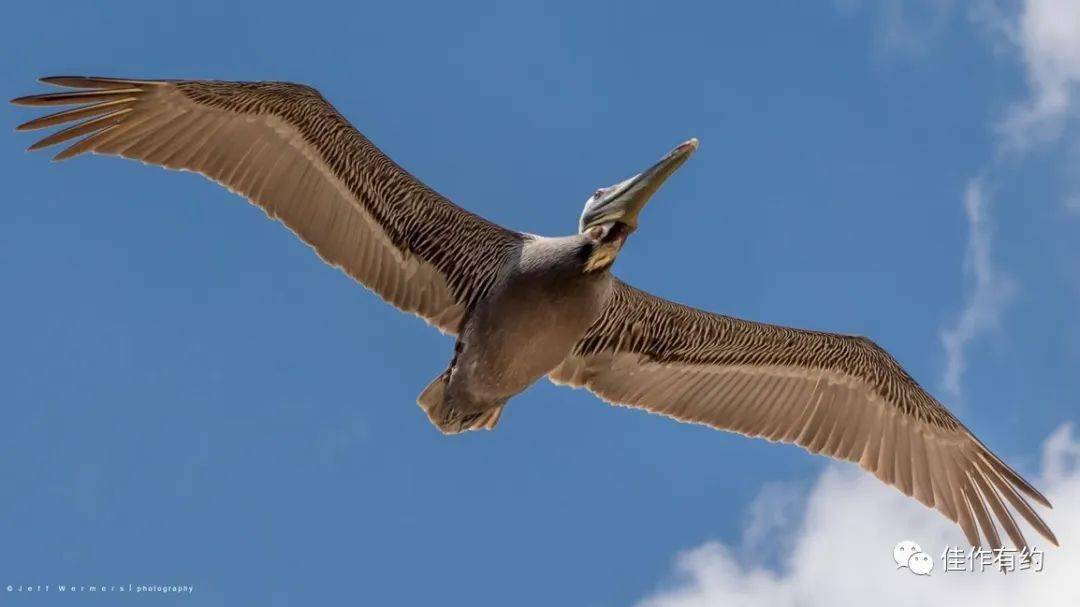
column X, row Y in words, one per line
column 611, row 213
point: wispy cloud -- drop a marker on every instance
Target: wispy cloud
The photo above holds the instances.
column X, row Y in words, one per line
column 1047, row 35
column 842, row 551
column 989, row 293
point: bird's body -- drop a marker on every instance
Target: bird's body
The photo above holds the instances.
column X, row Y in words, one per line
column 525, row 306
column 540, row 306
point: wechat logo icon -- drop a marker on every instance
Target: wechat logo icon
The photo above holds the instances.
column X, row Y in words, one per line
column 909, row 555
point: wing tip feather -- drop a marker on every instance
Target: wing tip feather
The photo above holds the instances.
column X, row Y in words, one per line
column 96, row 82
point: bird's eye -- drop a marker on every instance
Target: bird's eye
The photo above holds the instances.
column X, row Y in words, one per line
column 599, row 193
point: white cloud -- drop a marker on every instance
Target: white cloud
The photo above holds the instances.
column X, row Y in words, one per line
column 990, row 290
column 842, row 551
column 773, row 514
column 1047, row 34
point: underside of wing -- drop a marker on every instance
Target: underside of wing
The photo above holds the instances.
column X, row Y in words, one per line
column 837, row 395
column 288, row 151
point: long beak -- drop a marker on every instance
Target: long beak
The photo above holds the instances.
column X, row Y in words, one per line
column 623, row 202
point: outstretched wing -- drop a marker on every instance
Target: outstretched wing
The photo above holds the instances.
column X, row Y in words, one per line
column 287, row 150
column 838, row 395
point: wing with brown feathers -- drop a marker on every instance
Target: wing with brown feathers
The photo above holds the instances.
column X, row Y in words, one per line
column 838, row 395
column 287, row 150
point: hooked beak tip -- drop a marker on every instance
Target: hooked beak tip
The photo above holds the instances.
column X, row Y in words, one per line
column 683, row 150
column 688, row 146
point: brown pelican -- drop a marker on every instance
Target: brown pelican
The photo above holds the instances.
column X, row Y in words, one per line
column 524, row 306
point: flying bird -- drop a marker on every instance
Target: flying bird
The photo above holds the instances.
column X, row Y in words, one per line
column 524, row 306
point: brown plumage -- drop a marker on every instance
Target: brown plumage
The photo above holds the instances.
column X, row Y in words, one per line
column 287, row 150
column 524, row 306
column 838, row 395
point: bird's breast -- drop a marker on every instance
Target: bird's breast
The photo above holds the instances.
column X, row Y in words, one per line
column 528, row 325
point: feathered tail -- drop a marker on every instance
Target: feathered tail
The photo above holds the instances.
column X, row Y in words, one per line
column 449, row 415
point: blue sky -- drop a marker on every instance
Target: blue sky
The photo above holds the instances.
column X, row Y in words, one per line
column 192, row 397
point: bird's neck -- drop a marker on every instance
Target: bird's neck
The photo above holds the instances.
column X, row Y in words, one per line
column 601, row 253
column 600, row 257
